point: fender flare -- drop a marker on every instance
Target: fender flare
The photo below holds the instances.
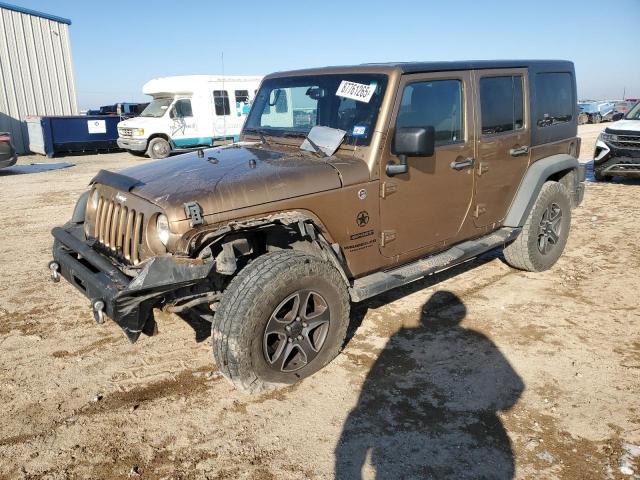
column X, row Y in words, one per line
column 538, row 173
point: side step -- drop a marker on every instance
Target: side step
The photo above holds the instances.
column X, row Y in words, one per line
column 379, row 282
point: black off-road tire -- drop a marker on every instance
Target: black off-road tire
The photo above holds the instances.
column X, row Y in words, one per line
column 158, row 148
column 248, row 304
column 524, row 252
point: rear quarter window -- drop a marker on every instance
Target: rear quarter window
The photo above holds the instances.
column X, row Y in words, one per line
column 554, row 98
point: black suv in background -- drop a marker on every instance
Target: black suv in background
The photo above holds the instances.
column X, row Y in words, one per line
column 617, row 150
column 7, row 152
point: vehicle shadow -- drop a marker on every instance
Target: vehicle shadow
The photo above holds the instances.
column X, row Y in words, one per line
column 428, row 407
column 33, row 168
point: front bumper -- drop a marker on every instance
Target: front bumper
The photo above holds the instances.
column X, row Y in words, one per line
column 136, row 145
column 128, row 300
column 612, row 160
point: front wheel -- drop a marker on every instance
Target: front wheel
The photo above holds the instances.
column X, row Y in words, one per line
column 158, row 148
column 545, row 232
column 281, row 319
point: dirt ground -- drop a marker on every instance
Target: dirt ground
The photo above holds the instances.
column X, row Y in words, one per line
column 482, row 372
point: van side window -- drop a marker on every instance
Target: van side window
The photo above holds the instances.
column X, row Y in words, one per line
column 554, row 98
column 242, row 96
column 221, row 102
column 501, row 104
column 436, row 103
column 183, row 108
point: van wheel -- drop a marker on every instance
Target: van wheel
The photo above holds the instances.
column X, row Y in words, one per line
column 158, row 148
column 281, row 319
column 596, row 118
column 545, row 232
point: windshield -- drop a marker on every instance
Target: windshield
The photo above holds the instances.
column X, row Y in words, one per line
column 157, row 108
column 634, row 113
column 292, row 106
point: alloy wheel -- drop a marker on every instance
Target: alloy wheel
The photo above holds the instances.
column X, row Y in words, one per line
column 550, row 228
column 296, row 331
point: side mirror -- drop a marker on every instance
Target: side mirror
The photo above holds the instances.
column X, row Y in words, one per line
column 411, row 142
column 173, row 113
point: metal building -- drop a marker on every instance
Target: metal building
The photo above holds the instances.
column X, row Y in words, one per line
column 36, row 73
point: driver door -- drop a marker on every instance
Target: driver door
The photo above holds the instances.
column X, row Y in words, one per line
column 424, row 209
column 183, row 124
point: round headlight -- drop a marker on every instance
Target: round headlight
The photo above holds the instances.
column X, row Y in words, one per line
column 162, row 229
column 94, row 199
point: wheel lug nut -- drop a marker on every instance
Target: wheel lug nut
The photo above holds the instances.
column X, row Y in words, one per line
column 304, row 324
column 299, row 337
column 297, row 319
column 288, row 328
column 289, row 340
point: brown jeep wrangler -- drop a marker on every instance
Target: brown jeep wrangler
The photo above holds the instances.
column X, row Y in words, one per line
column 346, row 182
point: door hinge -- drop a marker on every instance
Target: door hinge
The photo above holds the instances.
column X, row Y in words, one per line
column 387, row 236
column 482, row 168
column 480, row 209
column 387, row 188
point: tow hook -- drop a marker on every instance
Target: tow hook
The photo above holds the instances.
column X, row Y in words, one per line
column 98, row 311
column 54, row 267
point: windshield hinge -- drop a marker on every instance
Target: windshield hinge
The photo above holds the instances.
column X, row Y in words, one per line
column 194, row 213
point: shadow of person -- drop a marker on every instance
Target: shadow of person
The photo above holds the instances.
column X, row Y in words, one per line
column 428, row 407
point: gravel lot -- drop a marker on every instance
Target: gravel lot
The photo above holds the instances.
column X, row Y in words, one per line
column 483, row 372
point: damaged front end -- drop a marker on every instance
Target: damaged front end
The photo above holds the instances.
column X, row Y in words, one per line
column 129, row 298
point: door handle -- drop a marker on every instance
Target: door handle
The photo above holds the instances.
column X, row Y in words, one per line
column 519, row 151
column 462, row 164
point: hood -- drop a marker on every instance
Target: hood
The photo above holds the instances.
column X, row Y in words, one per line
column 139, row 122
column 230, row 178
column 624, row 126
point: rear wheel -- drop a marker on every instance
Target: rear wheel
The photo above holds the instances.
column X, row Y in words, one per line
column 281, row 319
column 545, row 232
column 158, row 148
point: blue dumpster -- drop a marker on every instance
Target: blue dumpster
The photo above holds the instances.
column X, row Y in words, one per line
column 73, row 134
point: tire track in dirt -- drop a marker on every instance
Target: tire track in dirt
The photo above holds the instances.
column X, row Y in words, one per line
column 186, row 383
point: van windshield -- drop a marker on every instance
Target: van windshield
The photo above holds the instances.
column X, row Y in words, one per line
column 157, row 107
column 291, row 106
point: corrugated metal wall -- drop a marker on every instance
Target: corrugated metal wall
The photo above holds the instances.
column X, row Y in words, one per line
column 36, row 73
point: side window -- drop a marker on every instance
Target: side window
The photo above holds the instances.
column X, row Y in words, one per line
column 502, row 104
column 221, row 102
column 183, row 108
column 242, row 96
column 436, row 103
column 554, row 98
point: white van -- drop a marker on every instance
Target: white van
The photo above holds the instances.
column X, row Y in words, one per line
column 188, row 111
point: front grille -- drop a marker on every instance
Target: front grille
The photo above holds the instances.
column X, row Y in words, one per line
column 125, row 132
column 119, row 229
column 627, row 141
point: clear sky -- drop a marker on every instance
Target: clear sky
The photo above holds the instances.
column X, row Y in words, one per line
column 118, row 45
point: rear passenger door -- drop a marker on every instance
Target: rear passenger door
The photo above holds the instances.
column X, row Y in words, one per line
column 503, row 141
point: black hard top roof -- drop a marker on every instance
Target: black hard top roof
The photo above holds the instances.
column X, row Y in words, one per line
column 422, row 67
column 418, row 67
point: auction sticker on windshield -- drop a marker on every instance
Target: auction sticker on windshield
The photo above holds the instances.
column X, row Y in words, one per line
column 356, row 91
